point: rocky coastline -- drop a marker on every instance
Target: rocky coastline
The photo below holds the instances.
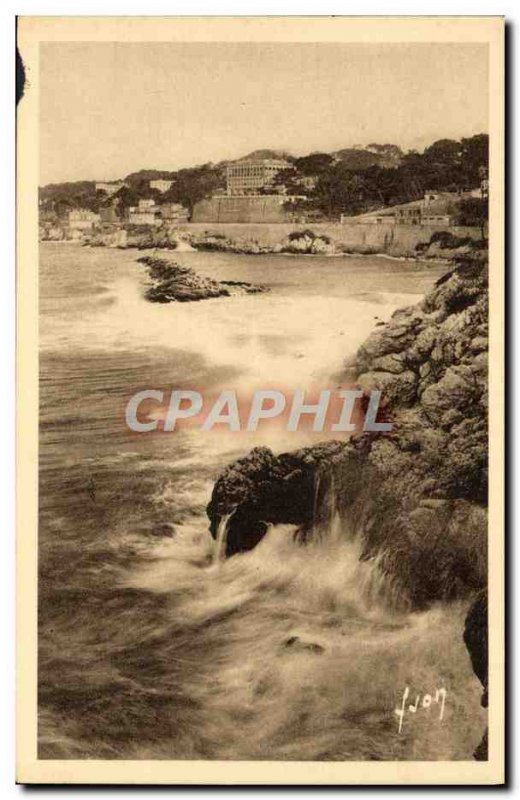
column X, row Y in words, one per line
column 416, row 496
column 443, row 246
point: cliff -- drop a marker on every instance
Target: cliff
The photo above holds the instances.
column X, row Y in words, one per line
column 416, row 496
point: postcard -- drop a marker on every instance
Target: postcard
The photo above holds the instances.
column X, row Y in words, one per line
column 260, row 400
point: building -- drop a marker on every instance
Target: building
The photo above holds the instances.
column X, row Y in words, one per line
column 435, row 208
column 250, row 177
column 431, row 196
column 108, row 214
column 110, row 187
column 146, row 203
column 409, row 213
column 261, row 208
column 81, row 219
column 307, row 182
column 146, row 217
column 482, row 191
column 438, row 208
column 381, row 217
column 174, row 212
column 146, row 213
column 161, row 185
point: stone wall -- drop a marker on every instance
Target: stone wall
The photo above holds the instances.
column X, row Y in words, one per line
column 396, row 240
column 261, row 209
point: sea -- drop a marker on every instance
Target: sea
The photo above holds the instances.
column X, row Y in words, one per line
column 152, row 645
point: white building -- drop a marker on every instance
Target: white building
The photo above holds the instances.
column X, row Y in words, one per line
column 174, row 212
column 110, row 187
column 81, row 219
column 146, row 213
column 161, row 185
column 248, row 177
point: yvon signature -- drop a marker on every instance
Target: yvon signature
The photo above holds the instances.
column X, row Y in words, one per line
column 424, row 705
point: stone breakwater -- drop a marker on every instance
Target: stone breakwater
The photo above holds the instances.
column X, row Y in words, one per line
column 415, row 497
column 170, row 282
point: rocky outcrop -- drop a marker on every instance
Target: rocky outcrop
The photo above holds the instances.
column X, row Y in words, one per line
column 431, row 363
column 217, row 242
column 300, row 242
column 416, row 495
column 262, row 488
column 307, row 242
column 171, row 282
column 446, row 246
column 476, row 640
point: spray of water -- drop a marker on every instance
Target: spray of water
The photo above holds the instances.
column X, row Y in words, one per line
column 221, row 540
column 294, row 650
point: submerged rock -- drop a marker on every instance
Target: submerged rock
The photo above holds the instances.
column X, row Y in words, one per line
column 297, row 644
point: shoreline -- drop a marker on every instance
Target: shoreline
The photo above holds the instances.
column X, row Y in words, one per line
column 153, row 248
column 402, row 242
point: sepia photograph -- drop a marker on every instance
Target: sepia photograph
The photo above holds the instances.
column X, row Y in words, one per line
column 260, row 353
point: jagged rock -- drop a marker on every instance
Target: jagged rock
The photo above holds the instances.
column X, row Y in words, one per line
column 401, row 387
column 478, row 344
column 297, row 644
column 455, row 390
column 476, row 640
column 393, row 362
column 307, row 242
column 262, row 488
column 172, row 282
column 417, row 495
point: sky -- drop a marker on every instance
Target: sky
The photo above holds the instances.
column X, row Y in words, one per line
column 108, row 109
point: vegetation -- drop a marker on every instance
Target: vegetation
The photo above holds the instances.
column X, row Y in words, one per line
column 446, row 165
column 61, row 197
column 349, row 181
column 193, row 185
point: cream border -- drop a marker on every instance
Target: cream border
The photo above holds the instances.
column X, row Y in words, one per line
column 33, row 30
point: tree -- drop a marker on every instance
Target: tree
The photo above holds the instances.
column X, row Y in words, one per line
column 473, row 212
column 313, row 164
column 126, row 197
column 193, row 185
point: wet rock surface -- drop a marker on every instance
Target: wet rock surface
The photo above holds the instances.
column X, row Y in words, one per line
column 171, row 282
column 296, row 644
column 416, row 495
column 262, row 489
column 476, row 640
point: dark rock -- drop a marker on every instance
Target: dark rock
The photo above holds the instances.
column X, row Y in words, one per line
column 172, row 282
column 415, row 496
column 295, row 643
column 166, row 530
column 476, row 640
column 262, row 489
